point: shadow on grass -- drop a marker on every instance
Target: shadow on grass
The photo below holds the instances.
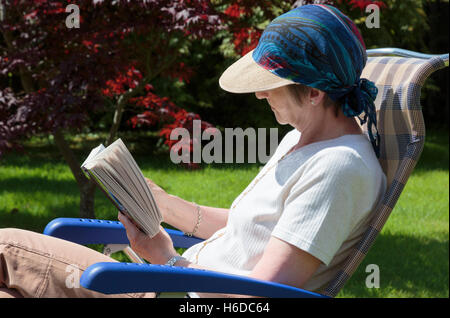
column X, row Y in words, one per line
column 20, row 218
column 409, row 265
column 30, row 184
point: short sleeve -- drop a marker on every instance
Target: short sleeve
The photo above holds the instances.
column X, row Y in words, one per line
column 325, row 203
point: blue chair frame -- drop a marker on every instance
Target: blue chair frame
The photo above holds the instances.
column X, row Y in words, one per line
column 116, row 278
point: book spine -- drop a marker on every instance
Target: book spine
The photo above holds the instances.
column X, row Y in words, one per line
column 108, row 194
column 111, row 197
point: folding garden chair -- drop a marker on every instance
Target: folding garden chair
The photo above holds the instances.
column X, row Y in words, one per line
column 399, row 76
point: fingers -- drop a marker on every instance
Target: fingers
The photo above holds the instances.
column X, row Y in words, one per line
column 157, row 249
column 122, row 218
column 132, row 230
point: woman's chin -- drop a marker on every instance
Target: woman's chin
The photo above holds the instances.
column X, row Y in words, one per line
column 280, row 121
column 278, row 117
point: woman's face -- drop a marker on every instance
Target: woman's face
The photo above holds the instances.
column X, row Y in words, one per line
column 287, row 109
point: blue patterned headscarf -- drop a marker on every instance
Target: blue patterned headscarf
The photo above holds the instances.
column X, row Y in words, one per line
column 318, row 46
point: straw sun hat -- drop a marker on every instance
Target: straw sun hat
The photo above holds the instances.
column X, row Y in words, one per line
column 247, row 76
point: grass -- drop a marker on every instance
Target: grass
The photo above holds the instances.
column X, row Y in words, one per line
column 411, row 251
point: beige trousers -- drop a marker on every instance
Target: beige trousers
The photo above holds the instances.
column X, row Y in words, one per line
column 36, row 265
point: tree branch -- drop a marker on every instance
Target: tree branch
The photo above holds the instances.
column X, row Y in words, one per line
column 120, row 106
column 124, row 98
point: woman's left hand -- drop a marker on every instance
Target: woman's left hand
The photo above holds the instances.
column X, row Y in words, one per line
column 157, row 250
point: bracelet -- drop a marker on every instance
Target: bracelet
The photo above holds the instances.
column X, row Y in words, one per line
column 174, row 259
column 199, row 219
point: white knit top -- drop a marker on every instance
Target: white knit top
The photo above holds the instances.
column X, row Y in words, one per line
column 317, row 198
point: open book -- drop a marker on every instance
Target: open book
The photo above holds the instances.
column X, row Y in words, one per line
column 116, row 173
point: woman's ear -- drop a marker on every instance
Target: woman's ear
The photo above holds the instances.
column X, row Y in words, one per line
column 316, row 96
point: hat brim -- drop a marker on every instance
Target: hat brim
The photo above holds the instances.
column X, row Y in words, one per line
column 247, row 76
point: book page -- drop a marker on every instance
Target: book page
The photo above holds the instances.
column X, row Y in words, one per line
column 94, row 152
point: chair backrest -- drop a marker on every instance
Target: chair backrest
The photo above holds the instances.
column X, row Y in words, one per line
column 402, row 132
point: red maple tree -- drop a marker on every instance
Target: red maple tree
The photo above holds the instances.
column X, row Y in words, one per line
column 67, row 73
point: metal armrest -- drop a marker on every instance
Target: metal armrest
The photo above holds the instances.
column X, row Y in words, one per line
column 116, row 278
column 92, row 231
column 405, row 53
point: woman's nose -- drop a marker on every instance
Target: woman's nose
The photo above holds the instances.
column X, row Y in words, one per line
column 261, row 95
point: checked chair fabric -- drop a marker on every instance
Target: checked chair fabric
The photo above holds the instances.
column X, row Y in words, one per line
column 402, row 133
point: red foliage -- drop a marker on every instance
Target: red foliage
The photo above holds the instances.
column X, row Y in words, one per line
column 246, row 39
column 234, row 11
column 362, row 4
column 161, row 111
column 123, row 82
column 71, row 71
column 180, row 71
column 153, row 110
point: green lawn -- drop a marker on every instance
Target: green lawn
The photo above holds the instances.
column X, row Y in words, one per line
column 411, row 251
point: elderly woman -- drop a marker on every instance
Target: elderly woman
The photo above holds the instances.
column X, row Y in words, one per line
column 298, row 219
